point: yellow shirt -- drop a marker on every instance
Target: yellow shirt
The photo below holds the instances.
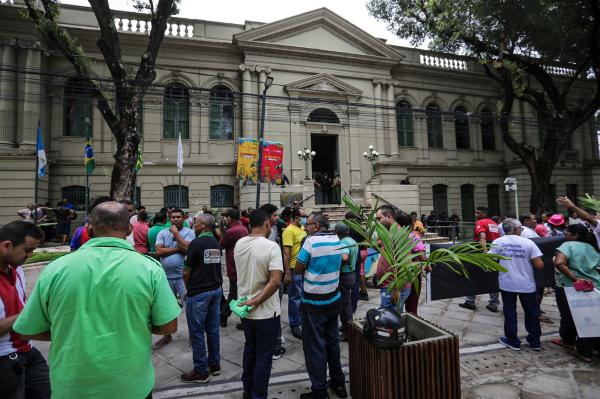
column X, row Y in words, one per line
column 292, row 237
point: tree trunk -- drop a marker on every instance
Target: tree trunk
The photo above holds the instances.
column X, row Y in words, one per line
column 123, row 173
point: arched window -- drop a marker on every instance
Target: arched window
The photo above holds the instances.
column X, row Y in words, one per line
column 461, row 128
column 221, row 196
column 404, row 123
column 175, row 197
column 493, row 199
column 440, row 199
column 176, row 111
column 77, row 108
column 75, row 195
column 435, row 136
column 221, row 113
column 488, row 141
column 323, row 115
column 467, row 200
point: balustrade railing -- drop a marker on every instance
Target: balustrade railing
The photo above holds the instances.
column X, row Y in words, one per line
column 137, row 23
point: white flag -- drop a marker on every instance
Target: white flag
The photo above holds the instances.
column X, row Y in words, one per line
column 179, row 154
column 41, row 154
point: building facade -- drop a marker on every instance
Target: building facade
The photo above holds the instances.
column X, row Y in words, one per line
column 336, row 90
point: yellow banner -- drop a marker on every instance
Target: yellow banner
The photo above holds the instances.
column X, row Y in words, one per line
column 247, row 161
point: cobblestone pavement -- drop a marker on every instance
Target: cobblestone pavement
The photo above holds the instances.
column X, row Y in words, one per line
column 488, row 370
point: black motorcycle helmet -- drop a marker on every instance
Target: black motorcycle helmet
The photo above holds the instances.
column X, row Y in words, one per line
column 384, row 328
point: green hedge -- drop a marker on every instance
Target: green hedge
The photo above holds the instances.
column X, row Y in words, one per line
column 45, row 257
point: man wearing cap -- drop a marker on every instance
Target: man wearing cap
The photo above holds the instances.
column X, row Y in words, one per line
column 347, row 275
column 234, row 232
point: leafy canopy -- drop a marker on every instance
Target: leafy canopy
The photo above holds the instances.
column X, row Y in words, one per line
column 555, row 31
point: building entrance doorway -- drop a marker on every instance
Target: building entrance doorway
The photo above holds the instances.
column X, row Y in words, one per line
column 325, row 169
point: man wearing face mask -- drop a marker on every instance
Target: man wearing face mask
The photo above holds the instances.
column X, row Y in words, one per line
column 292, row 241
column 106, row 300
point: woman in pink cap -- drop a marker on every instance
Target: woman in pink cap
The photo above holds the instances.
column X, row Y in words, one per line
column 556, row 225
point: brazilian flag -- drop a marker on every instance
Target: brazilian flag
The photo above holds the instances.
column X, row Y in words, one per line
column 139, row 160
column 89, row 161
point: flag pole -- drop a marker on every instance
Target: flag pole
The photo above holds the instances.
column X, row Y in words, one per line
column 179, row 191
column 35, row 187
column 87, row 175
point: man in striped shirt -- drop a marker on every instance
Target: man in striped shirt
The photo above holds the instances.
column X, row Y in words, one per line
column 320, row 260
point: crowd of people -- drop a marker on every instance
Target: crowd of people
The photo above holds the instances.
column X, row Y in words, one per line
column 130, row 275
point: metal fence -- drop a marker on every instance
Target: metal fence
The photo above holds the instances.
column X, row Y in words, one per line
column 455, row 231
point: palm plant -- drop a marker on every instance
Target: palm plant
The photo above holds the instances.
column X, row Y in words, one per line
column 396, row 247
column 590, row 203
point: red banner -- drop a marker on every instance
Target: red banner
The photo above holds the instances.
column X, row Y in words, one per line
column 272, row 162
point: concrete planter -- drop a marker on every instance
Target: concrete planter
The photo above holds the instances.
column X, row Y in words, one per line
column 427, row 367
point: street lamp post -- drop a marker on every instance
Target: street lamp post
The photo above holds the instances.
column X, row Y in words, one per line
column 261, row 134
column 371, row 156
column 306, row 155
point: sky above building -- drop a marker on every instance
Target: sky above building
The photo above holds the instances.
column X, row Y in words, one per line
column 238, row 11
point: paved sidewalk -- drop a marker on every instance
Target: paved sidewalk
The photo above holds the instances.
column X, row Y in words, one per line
column 487, row 369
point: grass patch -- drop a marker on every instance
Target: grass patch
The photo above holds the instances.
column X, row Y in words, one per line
column 45, row 257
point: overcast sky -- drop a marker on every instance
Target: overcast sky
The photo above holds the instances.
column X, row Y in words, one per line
column 238, row 11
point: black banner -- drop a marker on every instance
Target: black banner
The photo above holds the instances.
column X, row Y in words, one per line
column 444, row 283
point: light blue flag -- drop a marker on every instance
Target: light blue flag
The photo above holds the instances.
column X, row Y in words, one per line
column 41, row 154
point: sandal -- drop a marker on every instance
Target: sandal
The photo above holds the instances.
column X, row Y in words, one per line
column 559, row 342
column 165, row 340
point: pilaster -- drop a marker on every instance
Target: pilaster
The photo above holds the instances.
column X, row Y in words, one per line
column 391, row 116
column 379, row 126
column 8, row 88
column 28, row 109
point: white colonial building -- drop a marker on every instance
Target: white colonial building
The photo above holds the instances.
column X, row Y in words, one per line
column 336, row 90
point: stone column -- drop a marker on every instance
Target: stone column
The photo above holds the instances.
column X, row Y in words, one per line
column 247, row 129
column 476, row 140
column 355, row 153
column 30, row 55
column 203, row 119
column 297, row 143
column 262, row 76
column 8, row 88
column 391, row 115
column 449, row 134
column 420, row 133
column 379, row 127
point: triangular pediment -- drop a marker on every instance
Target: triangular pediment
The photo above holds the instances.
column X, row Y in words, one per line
column 323, row 83
column 319, row 29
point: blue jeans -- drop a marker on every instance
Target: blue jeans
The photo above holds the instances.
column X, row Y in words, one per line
column 294, row 300
column 321, row 344
column 178, row 287
column 494, row 301
column 202, row 312
column 386, row 299
column 261, row 337
column 532, row 317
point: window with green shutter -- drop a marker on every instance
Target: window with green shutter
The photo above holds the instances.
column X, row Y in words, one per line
column 77, row 108
column 404, row 124
column 221, row 113
column 176, row 111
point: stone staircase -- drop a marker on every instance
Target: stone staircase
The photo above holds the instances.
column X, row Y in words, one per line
column 336, row 215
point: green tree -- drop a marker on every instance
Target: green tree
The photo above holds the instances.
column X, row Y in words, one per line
column 129, row 88
column 536, row 51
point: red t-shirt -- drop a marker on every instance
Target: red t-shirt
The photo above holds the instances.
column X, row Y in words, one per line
column 487, row 226
column 140, row 237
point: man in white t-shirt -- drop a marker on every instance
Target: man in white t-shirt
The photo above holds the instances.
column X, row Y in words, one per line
column 518, row 281
column 259, row 268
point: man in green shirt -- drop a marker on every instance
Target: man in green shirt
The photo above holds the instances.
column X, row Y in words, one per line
column 100, row 306
column 160, row 224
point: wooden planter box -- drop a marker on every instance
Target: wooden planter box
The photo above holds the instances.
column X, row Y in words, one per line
column 427, row 367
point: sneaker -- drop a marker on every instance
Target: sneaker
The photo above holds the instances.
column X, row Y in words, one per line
column 278, row 353
column 504, row 341
column 535, row 348
column 223, row 322
column 340, row 391
column 195, row 377
column 491, row 309
column 297, row 332
column 363, row 296
column 467, row 306
column 215, row 369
